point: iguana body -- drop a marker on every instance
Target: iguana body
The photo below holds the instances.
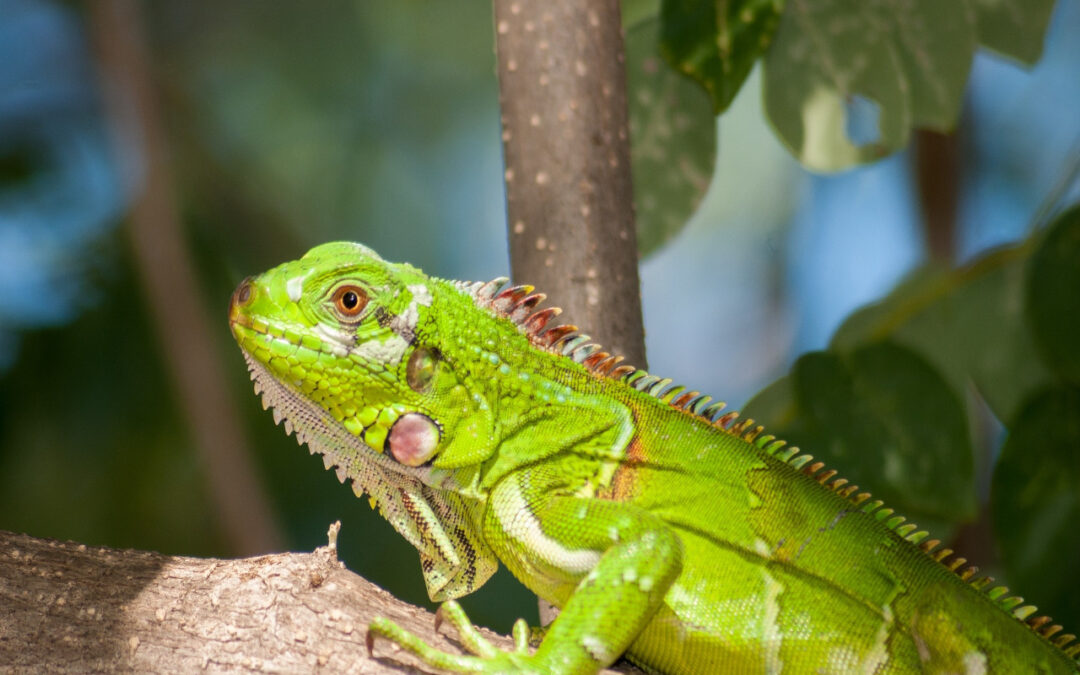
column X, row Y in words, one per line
column 662, row 529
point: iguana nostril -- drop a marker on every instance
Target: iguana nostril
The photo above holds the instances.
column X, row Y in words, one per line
column 243, row 292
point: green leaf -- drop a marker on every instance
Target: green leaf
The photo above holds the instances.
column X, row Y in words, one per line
column 847, row 80
column 935, row 42
column 893, row 423
column 638, row 11
column 672, row 140
column 1014, row 28
column 887, row 420
column 18, row 166
column 870, row 323
column 774, row 406
column 1053, row 296
column 717, row 42
column 968, row 322
column 905, row 61
column 988, row 335
column 1035, row 503
column 824, row 56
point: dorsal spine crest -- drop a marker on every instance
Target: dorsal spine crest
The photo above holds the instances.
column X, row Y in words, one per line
column 518, row 304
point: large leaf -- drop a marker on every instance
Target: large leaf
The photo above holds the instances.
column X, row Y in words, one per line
column 968, row 322
column 672, row 139
column 1053, row 296
column 1014, row 28
column 884, row 417
column 717, row 42
column 845, row 80
column 1035, row 502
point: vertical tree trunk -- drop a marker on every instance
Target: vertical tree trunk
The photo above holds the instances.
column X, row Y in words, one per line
column 566, row 146
column 562, row 89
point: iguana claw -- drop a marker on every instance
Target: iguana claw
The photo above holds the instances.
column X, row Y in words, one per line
column 487, row 657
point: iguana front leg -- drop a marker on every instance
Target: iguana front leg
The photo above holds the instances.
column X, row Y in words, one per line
column 607, row 564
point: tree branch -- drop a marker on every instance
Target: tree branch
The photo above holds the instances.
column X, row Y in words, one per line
column 68, row 607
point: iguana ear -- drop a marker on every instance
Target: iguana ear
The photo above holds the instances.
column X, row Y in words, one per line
column 439, row 523
column 472, row 441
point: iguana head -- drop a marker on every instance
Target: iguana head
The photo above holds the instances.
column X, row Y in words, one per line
column 381, row 362
column 344, row 331
column 344, row 346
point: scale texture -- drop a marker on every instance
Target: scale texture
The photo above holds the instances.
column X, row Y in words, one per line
column 665, row 528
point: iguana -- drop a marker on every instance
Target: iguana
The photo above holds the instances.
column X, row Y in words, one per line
column 665, row 529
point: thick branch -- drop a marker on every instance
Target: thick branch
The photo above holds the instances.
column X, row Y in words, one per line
column 69, row 607
column 66, row 606
column 562, row 88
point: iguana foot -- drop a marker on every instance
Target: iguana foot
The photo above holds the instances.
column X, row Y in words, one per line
column 488, row 658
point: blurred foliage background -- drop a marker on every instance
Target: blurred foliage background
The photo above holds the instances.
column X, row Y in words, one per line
column 289, row 125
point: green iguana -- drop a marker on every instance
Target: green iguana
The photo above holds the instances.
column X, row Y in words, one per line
column 665, row 530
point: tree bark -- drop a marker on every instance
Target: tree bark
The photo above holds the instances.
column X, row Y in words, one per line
column 566, row 144
column 68, row 607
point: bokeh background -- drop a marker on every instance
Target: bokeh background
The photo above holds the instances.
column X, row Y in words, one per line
column 287, row 125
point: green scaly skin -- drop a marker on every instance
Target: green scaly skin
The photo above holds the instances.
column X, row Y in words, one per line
column 665, row 531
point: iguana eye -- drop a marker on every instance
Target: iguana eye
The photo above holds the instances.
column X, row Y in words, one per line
column 350, row 300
